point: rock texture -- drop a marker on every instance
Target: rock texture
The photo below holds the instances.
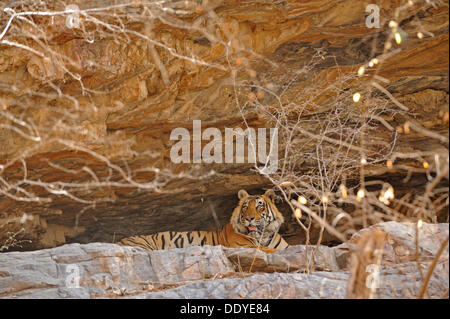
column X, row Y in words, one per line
column 317, row 285
column 103, row 102
column 100, row 270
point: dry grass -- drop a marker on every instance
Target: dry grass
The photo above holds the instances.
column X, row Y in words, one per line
column 338, row 141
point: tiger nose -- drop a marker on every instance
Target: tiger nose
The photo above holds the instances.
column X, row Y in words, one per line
column 250, row 218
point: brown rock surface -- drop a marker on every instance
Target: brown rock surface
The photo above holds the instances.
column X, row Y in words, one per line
column 103, row 100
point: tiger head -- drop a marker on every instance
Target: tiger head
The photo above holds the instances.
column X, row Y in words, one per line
column 256, row 216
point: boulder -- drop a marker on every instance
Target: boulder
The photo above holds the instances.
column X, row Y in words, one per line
column 96, row 107
column 103, row 270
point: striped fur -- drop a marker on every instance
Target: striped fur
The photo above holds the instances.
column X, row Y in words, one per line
column 254, row 224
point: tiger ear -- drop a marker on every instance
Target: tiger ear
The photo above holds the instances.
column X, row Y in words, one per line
column 270, row 194
column 242, row 194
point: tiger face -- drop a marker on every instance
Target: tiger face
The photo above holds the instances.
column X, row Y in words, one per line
column 256, row 216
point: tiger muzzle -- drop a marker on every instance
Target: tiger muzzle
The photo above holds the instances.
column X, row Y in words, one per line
column 255, row 228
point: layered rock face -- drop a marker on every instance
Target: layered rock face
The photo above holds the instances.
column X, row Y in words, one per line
column 101, row 270
column 88, row 101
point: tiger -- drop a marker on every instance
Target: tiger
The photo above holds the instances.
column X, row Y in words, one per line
column 254, row 223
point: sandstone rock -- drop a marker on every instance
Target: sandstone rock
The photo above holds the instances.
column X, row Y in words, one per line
column 295, row 258
column 398, row 248
column 74, row 271
column 261, row 286
column 402, row 282
column 400, row 245
column 102, row 270
column 119, row 96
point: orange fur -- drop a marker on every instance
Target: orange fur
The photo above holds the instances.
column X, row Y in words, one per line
column 247, row 229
